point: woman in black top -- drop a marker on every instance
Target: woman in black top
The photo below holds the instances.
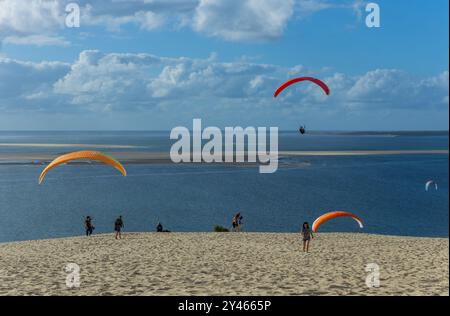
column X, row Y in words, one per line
column 307, row 235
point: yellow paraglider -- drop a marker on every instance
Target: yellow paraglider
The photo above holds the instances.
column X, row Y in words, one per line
column 87, row 154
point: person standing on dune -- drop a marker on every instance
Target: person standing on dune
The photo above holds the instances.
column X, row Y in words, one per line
column 88, row 226
column 307, row 235
column 237, row 222
column 118, row 225
column 234, row 222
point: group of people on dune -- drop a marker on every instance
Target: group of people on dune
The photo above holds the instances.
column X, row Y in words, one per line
column 118, row 225
column 236, row 224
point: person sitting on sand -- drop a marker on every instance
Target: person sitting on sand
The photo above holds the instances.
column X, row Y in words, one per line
column 118, row 225
column 307, row 235
column 159, row 228
column 88, row 226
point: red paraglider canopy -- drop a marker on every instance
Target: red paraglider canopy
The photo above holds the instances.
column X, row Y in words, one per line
column 295, row 80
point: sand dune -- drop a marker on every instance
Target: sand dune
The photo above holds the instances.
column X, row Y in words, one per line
column 226, row 264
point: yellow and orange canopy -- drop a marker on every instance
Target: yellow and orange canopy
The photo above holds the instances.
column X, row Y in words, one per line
column 87, row 155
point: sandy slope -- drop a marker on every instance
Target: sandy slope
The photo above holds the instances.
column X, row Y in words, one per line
column 226, row 264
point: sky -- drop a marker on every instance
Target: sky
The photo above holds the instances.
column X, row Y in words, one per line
column 158, row 64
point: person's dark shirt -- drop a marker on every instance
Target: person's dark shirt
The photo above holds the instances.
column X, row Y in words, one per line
column 119, row 223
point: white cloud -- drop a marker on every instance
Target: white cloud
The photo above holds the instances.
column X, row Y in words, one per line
column 22, row 83
column 32, row 22
column 30, row 16
column 36, row 40
column 135, row 82
column 129, row 81
column 305, row 8
column 397, row 89
column 146, row 20
column 232, row 20
column 237, row 20
column 308, row 7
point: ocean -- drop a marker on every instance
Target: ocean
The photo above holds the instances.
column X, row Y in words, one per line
column 386, row 191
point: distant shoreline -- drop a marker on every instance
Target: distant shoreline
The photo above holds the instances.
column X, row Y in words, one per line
column 311, row 132
column 384, row 133
column 164, row 158
column 51, row 145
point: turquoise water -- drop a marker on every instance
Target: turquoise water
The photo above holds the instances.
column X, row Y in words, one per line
column 387, row 192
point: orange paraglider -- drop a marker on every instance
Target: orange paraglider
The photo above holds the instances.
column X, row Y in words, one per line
column 326, row 217
column 87, row 154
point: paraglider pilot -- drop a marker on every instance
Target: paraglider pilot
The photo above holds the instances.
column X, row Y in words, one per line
column 302, row 130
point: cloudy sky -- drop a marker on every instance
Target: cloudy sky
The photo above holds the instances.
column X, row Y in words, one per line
column 157, row 64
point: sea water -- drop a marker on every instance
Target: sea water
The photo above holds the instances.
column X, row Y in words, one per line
column 386, row 191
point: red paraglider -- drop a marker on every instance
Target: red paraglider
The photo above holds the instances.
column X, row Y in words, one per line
column 295, row 80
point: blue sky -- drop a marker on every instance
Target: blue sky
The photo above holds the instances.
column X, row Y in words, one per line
column 158, row 64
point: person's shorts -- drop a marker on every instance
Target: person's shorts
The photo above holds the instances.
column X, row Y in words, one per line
column 306, row 238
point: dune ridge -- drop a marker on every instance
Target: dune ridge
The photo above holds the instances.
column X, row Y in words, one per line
column 226, row 264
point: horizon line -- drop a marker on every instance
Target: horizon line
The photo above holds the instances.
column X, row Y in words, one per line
column 281, row 130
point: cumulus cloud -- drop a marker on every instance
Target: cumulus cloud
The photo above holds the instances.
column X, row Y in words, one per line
column 231, row 20
column 100, row 82
column 47, row 17
column 243, row 20
column 113, row 21
column 397, row 89
column 30, row 16
column 32, row 22
column 142, row 80
column 28, row 86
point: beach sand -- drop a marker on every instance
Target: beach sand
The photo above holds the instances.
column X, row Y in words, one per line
column 226, row 264
column 144, row 157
